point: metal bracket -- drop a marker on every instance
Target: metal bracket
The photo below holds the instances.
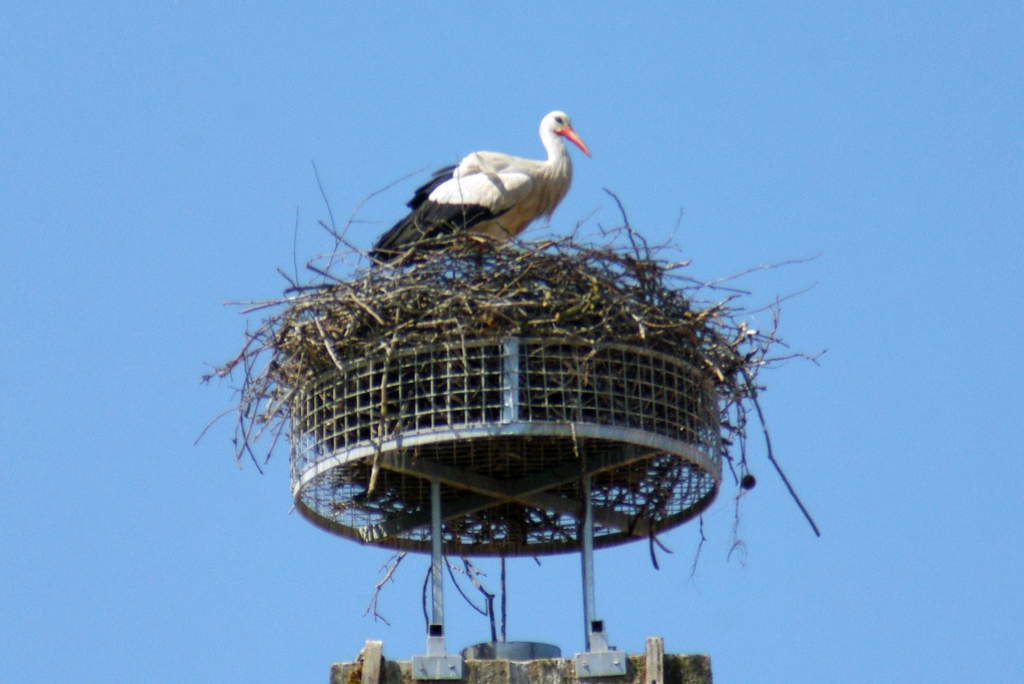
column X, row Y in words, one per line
column 608, row 664
column 601, row 660
column 437, row 667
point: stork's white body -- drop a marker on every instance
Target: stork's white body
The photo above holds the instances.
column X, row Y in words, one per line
column 515, row 189
column 489, row 193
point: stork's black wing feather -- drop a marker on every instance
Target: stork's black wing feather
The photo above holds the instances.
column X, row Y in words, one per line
column 436, row 178
column 429, row 219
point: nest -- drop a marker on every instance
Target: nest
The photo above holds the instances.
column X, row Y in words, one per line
column 465, row 297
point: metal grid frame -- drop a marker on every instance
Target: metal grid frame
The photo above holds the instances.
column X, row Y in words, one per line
column 508, row 426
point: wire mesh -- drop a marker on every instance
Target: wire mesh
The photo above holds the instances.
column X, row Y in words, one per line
column 509, row 426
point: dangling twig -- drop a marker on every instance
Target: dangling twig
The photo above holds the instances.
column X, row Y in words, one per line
column 771, row 455
column 389, row 567
column 472, row 573
column 654, row 541
column 700, row 547
column 426, row 617
column 504, row 605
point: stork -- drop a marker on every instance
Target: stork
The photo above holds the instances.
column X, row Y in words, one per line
column 488, row 193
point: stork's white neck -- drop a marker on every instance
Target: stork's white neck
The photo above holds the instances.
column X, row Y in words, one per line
column 558, row 157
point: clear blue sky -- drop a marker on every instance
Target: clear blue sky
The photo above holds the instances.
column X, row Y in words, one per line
column 152, row 160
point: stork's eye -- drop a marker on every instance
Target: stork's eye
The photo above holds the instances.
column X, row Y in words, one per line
column 560, row 120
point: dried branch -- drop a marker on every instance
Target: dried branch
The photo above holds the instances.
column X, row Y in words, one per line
column 389, row 568
column 771, row 457
column 700, row 547
column 474, row 574
column 504, row 601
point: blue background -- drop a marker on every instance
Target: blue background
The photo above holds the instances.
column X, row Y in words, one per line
column 154, row 158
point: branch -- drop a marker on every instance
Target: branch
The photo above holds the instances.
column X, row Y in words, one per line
column 771, row 455
column 390, row 566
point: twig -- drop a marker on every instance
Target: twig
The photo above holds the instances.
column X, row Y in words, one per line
column 700, row 547
column 760, row 267
column 771, row 455
column 389, row 566
column 426, row 579
column 504, row 601
column 295, row 240
column 451, row 573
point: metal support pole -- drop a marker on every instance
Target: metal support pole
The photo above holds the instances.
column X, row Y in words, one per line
column 435, row 664
column 587, row 558
column 600, row 660
column 436, row 576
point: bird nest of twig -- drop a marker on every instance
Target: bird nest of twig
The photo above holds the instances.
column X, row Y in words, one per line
column 459, row 288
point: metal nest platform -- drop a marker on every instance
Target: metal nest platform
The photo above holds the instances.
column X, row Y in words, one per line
column 509, row 427
column 517, row 378
column 518, row 399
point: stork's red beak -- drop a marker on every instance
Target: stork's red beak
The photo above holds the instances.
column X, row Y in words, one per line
column 567, row 132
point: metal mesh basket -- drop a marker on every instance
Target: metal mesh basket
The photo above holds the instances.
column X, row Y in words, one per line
column 509, row 426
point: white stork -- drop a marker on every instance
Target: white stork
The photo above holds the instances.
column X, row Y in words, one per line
column 488, row 193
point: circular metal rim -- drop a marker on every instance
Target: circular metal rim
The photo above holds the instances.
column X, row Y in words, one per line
column 543, row 549
column 682, row 450
column 613, row 435
column 609, row 433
